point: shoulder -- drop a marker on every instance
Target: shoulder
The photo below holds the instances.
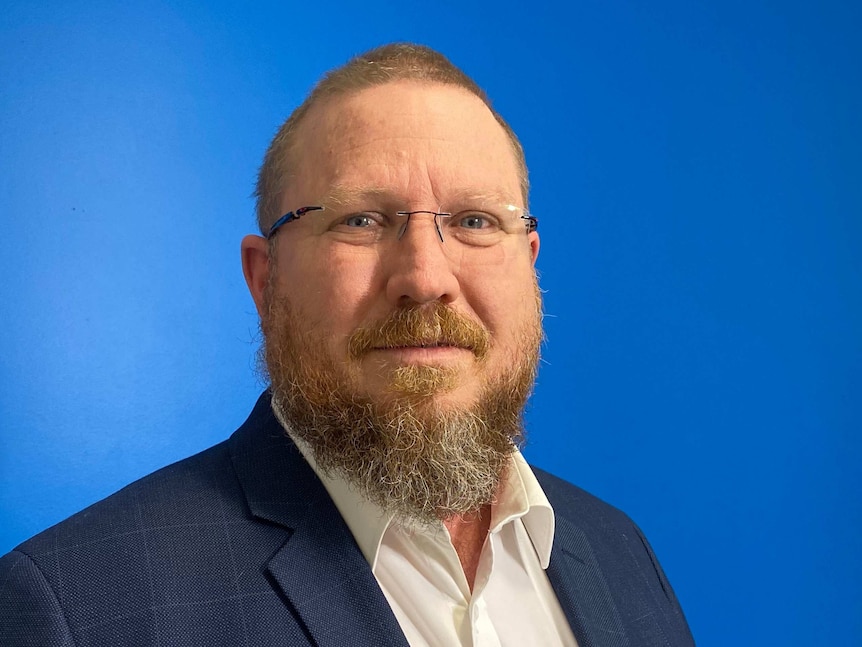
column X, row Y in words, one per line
column 178, row 550
column 178, row 492
column 197, row 491
column 99, row 563
column 570, row 501
column 606, row 542
column 610, row 531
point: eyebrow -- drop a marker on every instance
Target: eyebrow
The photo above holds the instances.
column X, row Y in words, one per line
column 493, row 196
column 341, row 194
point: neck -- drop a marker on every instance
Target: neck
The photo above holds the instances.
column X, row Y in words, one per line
column 468, row 533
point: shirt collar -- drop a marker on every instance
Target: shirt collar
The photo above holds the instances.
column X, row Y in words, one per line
column 520, row 496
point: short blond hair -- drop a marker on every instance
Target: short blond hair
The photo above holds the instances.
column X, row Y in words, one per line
column 393, row 62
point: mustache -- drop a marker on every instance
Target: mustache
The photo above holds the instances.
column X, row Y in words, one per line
column 434, row 325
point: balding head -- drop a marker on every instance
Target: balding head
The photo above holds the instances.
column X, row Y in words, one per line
column 394, row 62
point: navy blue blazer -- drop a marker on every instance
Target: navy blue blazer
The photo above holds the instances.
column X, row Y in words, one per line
column 241, row 545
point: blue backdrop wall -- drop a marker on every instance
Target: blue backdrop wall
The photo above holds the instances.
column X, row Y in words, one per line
column 696, row 168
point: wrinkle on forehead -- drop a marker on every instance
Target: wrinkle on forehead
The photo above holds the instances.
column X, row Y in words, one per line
column 408, row 143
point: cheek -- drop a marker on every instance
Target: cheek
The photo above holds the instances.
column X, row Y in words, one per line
column 506, row 305
column 504, row 296
column 333, row 291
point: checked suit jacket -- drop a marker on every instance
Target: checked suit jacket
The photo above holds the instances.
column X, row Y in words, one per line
column 241, row 545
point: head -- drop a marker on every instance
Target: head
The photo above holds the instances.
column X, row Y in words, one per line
column 401, row 348
column 394, row 62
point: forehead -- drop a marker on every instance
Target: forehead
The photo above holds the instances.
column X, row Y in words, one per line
column 421, row 142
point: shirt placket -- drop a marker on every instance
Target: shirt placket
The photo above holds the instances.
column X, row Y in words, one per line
column 483, row 632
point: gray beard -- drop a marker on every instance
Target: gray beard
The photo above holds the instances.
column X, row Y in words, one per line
column 417, row 469
column 417, row 461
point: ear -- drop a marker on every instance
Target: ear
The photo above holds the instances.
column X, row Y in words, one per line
column 255, row 267
column 533, row 237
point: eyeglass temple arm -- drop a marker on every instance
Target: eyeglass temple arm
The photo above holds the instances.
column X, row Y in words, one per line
column 289, row 217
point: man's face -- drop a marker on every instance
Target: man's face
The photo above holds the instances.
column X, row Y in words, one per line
column 409, row 146
column 434, row 339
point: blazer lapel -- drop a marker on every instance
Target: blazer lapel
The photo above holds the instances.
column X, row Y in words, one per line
column 327, row 581
column 582, row 590
column 320, row 571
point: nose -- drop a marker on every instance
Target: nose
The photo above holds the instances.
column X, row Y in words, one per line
column 421, row 268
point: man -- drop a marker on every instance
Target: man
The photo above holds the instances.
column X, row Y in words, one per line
column 375, row 496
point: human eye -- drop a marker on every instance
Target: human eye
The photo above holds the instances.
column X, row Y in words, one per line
column 474, row 227
column 477, row 222
column 364, row 223
column 361, row 220
column 360, row 227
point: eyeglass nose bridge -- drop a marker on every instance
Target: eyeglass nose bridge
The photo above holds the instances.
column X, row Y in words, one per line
column 437, row 215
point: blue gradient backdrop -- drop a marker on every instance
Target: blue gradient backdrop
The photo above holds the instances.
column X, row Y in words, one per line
column 696, row 168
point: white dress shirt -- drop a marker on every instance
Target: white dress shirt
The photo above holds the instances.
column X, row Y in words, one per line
column 512, row 602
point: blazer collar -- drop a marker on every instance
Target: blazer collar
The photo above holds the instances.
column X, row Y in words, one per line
column 319, row 568
column 578, row 579
column 582, row 590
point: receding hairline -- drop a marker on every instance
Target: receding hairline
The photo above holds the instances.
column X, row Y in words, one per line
column 380, row 66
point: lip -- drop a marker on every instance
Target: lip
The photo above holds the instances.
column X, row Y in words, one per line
column 428, row 344
column 423, row 354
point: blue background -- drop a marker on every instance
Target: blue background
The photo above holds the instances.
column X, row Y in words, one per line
column 696, row 170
